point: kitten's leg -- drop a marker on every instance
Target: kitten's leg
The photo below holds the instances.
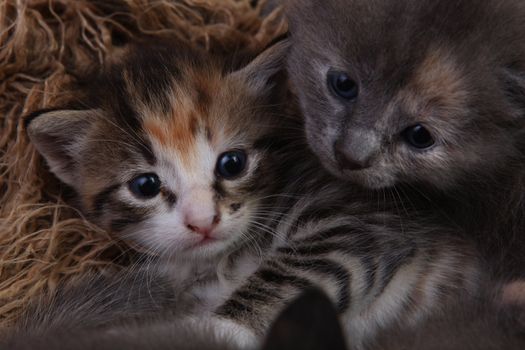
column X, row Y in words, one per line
column 375, row 278
column 101, row 301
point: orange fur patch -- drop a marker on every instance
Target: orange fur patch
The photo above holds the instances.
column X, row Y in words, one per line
column 190, row 115
column 178, row 130
column 440, row 80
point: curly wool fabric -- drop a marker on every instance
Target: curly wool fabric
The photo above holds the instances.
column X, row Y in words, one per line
column 45, row 45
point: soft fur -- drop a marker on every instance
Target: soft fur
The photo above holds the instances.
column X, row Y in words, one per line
column 455, row 67
column 309, row 323
column 45, row 46
column 277, row 227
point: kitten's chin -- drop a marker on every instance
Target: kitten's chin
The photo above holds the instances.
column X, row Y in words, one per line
column 207, row 248
column 367, row 178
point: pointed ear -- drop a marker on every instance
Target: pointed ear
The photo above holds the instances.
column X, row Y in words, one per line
column 310, row 322
column 260, row 72
column 59, row 135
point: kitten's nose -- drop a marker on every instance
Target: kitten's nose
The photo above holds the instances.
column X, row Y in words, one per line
column 202, row 225
column 351, row 155
column 199, row 211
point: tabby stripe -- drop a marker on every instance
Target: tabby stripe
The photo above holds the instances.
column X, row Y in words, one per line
column 121, row 223
column 327, row 267
column 169, row 196
column 362, row 247
column 277, row 217
column 370, row 265
column 128, row 215
column 320, row 249
column 128, row 118
column 252, row 295
column 363, row 243
column 126, row 115
column 315, row 213
column 233, row 308
column 262, row 180
column 392, row 263
column 278, row 278
column 367, row 260
column 103, row 197
column 219, row 189
column 257, row 295
column 147, row 151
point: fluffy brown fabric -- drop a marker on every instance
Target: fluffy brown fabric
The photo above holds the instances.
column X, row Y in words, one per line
column 45, row 45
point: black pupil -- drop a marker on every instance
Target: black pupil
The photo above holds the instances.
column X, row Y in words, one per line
column 343, row 85
column 231, row 164
column 147, row 185
column 419, row 137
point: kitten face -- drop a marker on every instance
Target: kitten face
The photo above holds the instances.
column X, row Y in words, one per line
column 169, row 160
column 410, row 91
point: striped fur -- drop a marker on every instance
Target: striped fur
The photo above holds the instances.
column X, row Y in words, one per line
column 377, row 269
column 285, row 224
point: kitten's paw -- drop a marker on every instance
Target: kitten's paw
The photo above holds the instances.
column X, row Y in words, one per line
column 240, row 335
column 235, row 334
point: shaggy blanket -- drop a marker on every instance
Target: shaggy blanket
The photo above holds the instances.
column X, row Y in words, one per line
column 45, row 45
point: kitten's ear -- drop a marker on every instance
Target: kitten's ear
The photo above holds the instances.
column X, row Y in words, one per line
column 59, row 135
column 261, row 70
column 309, row 323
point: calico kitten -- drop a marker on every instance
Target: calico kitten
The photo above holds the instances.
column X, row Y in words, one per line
column 198, row 161
column 425, row 99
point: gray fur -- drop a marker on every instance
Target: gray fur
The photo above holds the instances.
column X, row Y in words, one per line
column 457, row 68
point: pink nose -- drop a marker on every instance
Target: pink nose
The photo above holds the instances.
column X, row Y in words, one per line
column 202, row 226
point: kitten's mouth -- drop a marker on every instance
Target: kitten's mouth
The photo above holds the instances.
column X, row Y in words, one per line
column 367, row 177
column 206, row 240
column 207, row 246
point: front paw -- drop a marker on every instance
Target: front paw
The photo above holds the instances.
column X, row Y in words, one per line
column 236, row 335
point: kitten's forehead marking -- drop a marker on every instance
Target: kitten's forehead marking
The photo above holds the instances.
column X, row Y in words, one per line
column 188, row 119
column 177, row 131
column 438, row 80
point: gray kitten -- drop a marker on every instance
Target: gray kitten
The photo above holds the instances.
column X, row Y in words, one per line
column 425, row 99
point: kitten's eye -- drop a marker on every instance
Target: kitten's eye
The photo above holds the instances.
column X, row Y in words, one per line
column 231, row 163
column 418, row 136
column 342, row 85
column 145, row 186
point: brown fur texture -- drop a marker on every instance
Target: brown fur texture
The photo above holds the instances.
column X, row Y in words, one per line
column 170, row 111
column 44, row 47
